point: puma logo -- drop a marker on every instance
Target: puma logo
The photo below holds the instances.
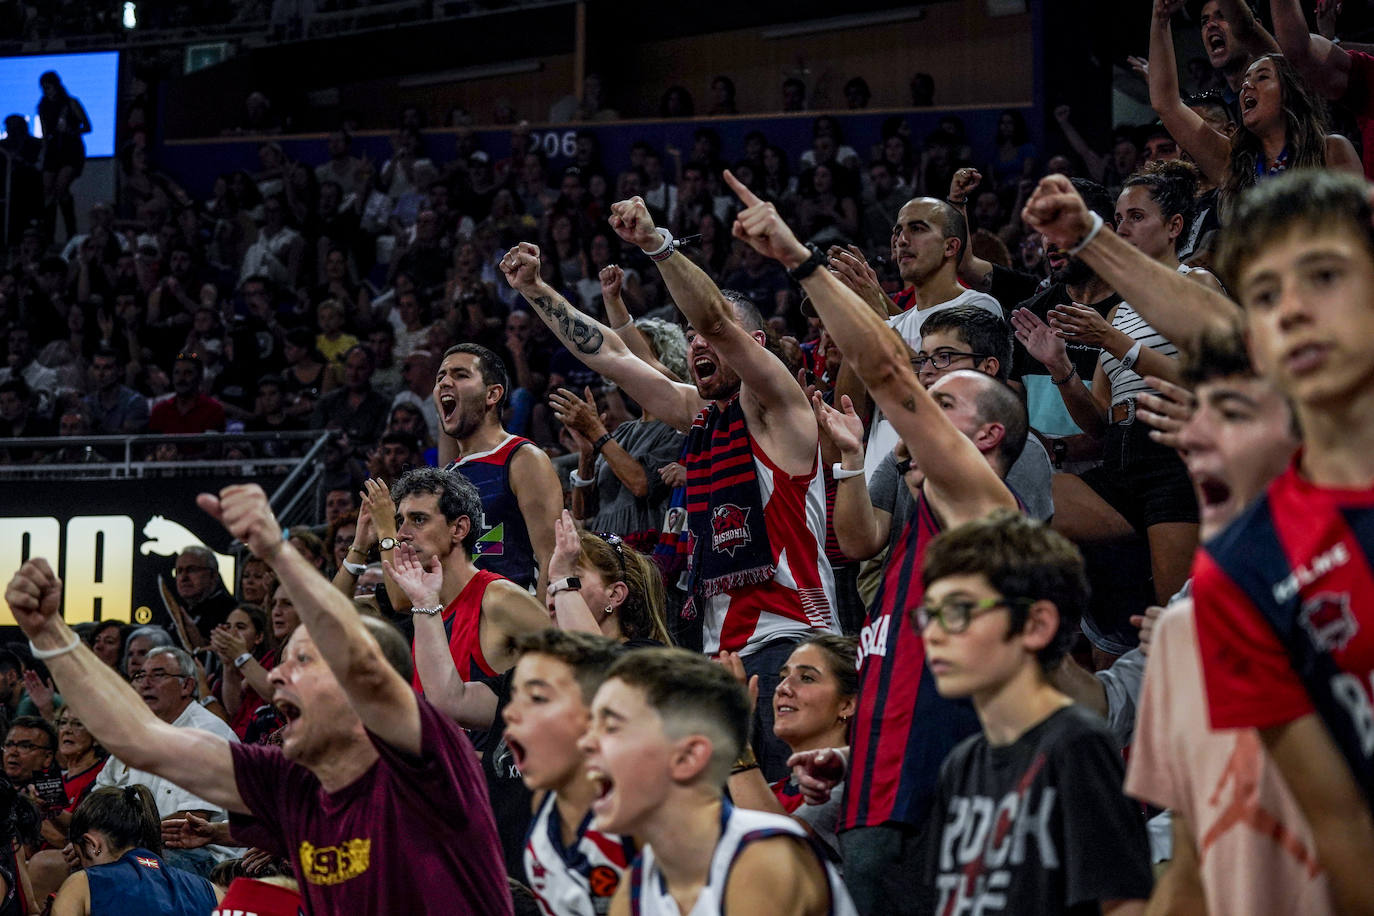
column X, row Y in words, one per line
column 167, row 538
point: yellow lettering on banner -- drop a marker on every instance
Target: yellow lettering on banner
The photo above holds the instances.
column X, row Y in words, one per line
column 111, row 539
column 335, row 864
column 41, row 535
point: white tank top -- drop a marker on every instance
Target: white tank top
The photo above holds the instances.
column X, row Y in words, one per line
column 576, row 881
column 739, row 827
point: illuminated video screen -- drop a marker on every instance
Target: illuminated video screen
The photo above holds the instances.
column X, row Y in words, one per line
column 93, row 79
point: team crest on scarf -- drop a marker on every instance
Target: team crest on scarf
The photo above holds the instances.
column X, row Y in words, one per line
column 729, row 528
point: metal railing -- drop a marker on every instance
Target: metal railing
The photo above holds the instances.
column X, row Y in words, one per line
column 294, row 499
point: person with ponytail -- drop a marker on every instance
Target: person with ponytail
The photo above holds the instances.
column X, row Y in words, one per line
column 118, row 838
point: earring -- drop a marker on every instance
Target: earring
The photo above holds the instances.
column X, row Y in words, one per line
column 609, row 610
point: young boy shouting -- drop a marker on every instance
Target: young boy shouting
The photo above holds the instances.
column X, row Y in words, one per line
column 667, row 727
column 573, row 868
column 1030, row 815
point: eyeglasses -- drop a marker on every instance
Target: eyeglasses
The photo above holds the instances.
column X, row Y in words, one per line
column 157, row 677
column 942, row 359
column 615, row 542
column 955, row 614
column 24, row 746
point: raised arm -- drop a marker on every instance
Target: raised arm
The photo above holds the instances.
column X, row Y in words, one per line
column 861, row 529
column 778, row 410
column 1095, row 162
column 1323, row 63
column 1246, row 29
column 471, row 705
column 974, row 271
column 1210, row 150
column 953, row 466
column 383, row 700
column 1174, row 306
column 539, row 494
column 117, row 717
column 622, row 322
column 598, row 346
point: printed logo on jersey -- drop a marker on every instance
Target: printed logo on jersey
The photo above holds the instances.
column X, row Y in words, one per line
column 1305, row 575
column 1328, row 620
column 492, row 542
column 729, row 528
column 335, row 864
column 147, row 862
column 873, row 640
column 603, row 880
column 983, row 839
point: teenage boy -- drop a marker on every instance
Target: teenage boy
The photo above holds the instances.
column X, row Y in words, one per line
column 667, row 726
column 1240, row 844
column 1029, row 814
column 572, row 867
column 1284, row 612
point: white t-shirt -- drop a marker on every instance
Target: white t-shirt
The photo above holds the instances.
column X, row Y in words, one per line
column 169, row 796
column 882, row 437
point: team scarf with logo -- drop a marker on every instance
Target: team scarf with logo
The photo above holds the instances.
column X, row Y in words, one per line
column 729, row 539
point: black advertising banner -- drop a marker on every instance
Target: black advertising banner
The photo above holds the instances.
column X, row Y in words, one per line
column 110, row 540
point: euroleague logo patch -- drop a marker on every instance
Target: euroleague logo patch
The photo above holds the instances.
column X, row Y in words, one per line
column 1328, row 620
column 729, row 528
column 603, row 880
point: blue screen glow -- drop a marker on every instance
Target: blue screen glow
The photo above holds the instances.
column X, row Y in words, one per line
column 93, row 79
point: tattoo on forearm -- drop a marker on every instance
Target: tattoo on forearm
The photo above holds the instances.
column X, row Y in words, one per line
column 585, row 335
column 909, row 405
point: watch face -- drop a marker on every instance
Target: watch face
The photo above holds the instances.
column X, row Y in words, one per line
column 388, row 544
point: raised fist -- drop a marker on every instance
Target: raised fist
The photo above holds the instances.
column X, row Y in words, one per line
column 521, row 266
column 244, row 512
column 34, row 596
column 631, row 221
column 1057, row 211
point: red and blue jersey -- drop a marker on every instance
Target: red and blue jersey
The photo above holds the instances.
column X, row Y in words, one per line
column 1282, row 599
column 576, row 880
column 903, row 728
column 503, row 544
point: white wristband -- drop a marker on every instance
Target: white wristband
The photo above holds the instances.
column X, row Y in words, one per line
column 45, row 654
column 667, row 238
column 579, row 482
column 840, row 473
column 1133, row 354
column 356, row 569
column 1087, row 239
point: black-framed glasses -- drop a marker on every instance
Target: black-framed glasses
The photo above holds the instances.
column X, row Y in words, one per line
column 618, row 544
column 24, row 746
column 955, row 614
column 943, row 358
column 156, row 677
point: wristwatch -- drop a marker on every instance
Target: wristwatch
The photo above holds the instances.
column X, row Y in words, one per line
column 566, row 584
column 387, row 543
column 243, row 659
column 808, row 267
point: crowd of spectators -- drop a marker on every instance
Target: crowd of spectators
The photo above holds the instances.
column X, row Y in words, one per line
column 860, row 424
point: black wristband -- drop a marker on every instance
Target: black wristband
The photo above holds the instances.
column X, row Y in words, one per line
column 600, row 443
column 808, row 267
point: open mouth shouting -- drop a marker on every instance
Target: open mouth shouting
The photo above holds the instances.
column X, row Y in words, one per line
column 1215, row 41
column 605, row 789
column 288, row 711
column 448, row 408
column 704, row 368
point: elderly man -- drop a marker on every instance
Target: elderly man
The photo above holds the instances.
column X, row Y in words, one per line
column 201, row 591
column 414, row 825
column 167, row 686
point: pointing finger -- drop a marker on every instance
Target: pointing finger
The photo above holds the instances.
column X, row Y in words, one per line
column 746, row 196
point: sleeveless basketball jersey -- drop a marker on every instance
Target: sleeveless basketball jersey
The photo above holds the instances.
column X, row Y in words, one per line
column 800, row 599
column 1284, row 601
column 141, row 884
column 576, row 881
column 894, row 768
column 739, row 827
column 462, row 623
column 503, row 545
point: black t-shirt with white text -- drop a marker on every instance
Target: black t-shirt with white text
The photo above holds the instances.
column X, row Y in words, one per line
column 1037, row 826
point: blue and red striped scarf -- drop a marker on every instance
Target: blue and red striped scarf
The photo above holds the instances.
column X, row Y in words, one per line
column 729, row 539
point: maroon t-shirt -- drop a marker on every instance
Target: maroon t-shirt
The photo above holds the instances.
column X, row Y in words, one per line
column 206, row 415
column 411, row 835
